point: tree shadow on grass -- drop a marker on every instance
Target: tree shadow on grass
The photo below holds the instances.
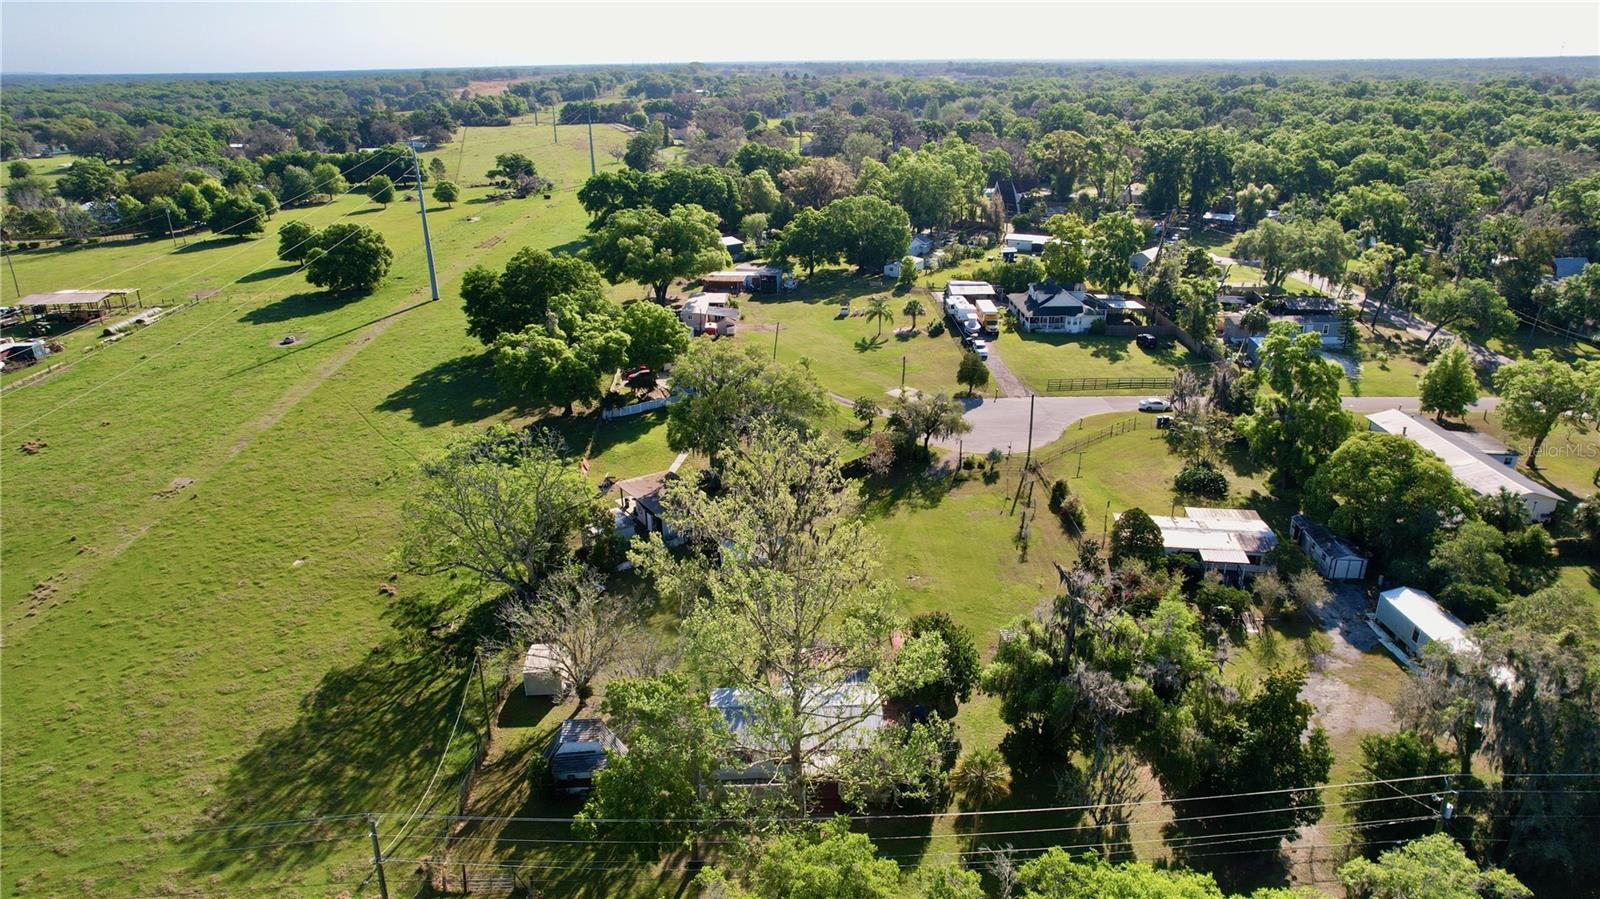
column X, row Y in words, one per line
column 298, row 305
column 826, row 286
column 264, row 274
column 214, row 242
column 912, row 487
column 458, row 391
column 623, row 431
column 868, row 344
column 367, row 727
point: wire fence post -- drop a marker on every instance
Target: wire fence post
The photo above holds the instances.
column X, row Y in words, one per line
column 377, row 857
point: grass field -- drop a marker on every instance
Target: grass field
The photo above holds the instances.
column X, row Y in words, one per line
column 194, row 634
column 850, row 356
column 1036, row 358
column 49, row 168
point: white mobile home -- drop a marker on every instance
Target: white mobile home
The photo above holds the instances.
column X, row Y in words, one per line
column 1484, row 472
column 1414, row 620
column 1027, row 243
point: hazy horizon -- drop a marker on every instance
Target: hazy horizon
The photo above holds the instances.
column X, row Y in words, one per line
column 246, row 38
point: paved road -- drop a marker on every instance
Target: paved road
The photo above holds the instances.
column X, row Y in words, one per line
column 1003, row 423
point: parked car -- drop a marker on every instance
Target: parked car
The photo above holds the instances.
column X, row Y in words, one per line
column 1146, row 341
column 1154, row 404
column 981, row 347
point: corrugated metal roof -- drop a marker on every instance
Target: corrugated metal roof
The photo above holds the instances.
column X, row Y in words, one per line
column 1217, row 531
column 1484, row 475
column 67, row 297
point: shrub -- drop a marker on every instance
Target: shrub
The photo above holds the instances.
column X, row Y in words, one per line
column 1058, row 494
column 1201, row 480
column 935, row 329
column 1220, row 601
column 995, row 457
column 866, row 410
column 1097, row 327
column 1072, row 515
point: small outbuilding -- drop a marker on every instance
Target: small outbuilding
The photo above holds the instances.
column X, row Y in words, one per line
column 76, row 305
column 1412, row 618
column 733, row 245
column 1335, row 559
column 1027, row 243
column 709, row 312
column 1142, row 260
column 892, row 269
column 1565, row 267
column 579, row 749
column 541, row 672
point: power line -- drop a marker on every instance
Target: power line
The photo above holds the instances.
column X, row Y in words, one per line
column 443, row 755
column 928, row 836
column 264, row 825
column 943, row 814
column 1207, row 842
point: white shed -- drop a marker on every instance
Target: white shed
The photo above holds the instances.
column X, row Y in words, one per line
column 1415, row 620
column 541, row 672
column 1336, row 560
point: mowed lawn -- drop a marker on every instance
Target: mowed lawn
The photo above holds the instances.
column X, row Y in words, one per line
column 1037, row 358
column 850, row 356
column 195, row 635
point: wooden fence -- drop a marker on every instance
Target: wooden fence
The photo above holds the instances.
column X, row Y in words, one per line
column 1095, row 385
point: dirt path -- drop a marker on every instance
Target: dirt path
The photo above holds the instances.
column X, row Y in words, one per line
column 1009, row 383
column 1344, row 711
column 85, row 566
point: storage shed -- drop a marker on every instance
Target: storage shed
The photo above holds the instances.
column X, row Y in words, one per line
column 541, row 672
column 1414, row 620
column 1335, row 559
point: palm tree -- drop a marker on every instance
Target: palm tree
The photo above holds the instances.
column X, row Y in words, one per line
column 981, row 777
column 913, row 308
column 878, row 308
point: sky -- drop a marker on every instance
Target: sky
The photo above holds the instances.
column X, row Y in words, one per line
column 65, row 37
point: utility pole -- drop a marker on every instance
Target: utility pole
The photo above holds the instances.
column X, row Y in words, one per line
column 1029, row 459
column 170, row 233
column 554, row 134
column 776, row 328
column 377, row 857
column 593, row 99
column 427, row 241
column 902, row 374
column 13, row 266
column 1447, row 806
